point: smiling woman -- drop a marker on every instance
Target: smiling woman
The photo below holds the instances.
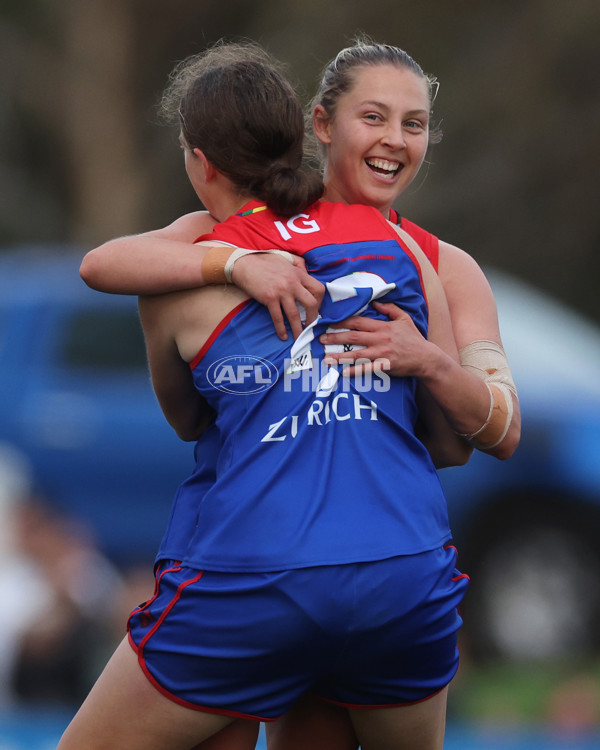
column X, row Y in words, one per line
column 377, row 139
column 372, row 115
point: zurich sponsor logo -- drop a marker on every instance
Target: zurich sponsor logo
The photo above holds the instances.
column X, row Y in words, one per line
column 242, row 374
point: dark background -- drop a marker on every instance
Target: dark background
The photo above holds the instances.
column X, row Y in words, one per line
column 514, row 181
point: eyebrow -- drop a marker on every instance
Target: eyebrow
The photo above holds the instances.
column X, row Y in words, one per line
column 381, row 105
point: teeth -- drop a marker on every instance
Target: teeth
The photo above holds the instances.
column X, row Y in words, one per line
column 387, row 166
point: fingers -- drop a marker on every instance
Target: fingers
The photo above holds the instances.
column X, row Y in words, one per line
column 352, row 356
column 361, row 323
column 355, row 334
column 276, row 314
column 288, row 303
column 312, row 299
column 361, row 366
column 281, row 287
column 390, row 309
column 285, row 301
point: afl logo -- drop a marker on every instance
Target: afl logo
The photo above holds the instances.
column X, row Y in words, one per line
column 242, row 374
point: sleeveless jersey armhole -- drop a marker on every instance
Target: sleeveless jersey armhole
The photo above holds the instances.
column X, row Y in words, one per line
column 428, row 242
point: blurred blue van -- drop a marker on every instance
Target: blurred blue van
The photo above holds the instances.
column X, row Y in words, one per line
column 76, row 399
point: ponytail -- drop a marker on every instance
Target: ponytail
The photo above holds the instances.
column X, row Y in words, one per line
column 288, row 191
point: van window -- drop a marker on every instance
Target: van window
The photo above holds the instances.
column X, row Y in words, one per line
column 104, row 339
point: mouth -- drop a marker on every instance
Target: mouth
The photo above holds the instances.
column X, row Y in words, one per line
column 384, row 167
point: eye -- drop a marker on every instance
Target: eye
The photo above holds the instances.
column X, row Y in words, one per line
column 373, row 117
column 416, row 125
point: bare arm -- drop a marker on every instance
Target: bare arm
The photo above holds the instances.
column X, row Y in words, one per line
column 183, row 406
column 475, row 318
column 156, row 262
column 463, row 397
column 167, row 260
column 403, row 350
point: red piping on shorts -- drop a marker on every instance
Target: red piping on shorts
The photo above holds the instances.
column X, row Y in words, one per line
column 142, row 662
column 143, row 606
column 193, row 706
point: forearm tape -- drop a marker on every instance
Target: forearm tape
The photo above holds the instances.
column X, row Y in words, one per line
column 487, row 361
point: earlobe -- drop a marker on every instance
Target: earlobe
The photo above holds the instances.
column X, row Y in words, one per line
column 321, row 123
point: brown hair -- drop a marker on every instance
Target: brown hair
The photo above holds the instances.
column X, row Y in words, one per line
column 339, row 75
column 233, row 102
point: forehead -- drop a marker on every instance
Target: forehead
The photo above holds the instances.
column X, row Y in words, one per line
column 390, row 84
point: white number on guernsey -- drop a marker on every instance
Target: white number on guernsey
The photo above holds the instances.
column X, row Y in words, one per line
column 346, row 286
column 339, row 289
column 301, row 358
column 295, row 225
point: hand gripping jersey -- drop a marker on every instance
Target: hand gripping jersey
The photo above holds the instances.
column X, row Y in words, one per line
column 312, row 468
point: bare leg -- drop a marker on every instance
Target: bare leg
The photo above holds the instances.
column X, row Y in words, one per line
column 312, row 724
column 239, row 735
column 419, row 726
column 125, row 712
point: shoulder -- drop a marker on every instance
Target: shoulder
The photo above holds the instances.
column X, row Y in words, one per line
column 458, row 267
column 470, row 296
column 188, row 227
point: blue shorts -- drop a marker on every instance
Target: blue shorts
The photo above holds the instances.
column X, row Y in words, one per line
column 249, row 645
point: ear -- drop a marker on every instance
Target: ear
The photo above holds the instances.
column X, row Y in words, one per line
column 210, row 171
column 321, row 123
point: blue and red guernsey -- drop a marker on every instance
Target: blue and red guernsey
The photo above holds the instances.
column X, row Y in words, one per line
column 313, row 468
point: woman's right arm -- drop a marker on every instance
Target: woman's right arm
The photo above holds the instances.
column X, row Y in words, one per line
column 167, row 260
column 156, row 262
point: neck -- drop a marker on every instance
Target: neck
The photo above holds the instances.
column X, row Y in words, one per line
column 337, row 195
column 223, row 201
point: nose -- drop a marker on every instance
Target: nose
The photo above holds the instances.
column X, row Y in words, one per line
column 393, row 137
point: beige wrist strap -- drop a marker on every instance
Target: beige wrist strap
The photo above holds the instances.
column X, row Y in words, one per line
column 235, row 255
column 218, row 263
column 240, row 252
column 213, row 264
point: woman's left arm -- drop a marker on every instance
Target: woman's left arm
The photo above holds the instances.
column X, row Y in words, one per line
column 183, row 406
column 476, row 330
column 459, row 387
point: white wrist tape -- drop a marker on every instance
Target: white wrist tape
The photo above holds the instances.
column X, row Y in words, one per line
column 240, row 252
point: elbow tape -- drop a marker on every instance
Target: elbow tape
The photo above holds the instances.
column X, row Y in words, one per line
column 487, row 360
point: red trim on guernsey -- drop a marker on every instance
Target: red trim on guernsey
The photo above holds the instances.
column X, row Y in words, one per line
column 359, row 257
column 380, row 705
column 209, row 341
